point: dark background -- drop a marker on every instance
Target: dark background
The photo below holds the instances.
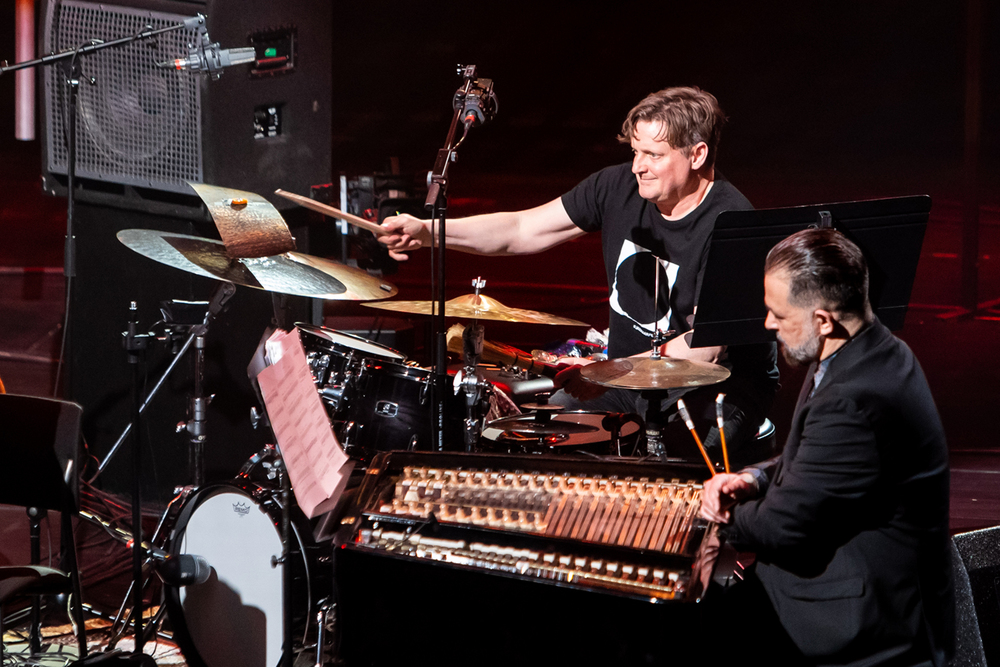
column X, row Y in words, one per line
column 827, row 103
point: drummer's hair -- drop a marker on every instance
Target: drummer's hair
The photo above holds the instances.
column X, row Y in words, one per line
column 823, row 266
column 687, row 116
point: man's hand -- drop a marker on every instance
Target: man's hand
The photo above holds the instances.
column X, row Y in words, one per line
column 722, row 492
column 570, row 381
column 405, row 233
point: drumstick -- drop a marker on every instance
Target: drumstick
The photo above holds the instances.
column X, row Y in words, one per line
column 332, row 212
column 690, row 424
column 722, row 433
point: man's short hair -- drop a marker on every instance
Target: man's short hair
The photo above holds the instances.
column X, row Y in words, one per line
column 687, row 115
column 824, row 266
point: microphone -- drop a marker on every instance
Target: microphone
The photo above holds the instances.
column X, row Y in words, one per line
column 211, row 59
column 177, row 570
column 182, row 570
column 480, row 104
column 206, row 56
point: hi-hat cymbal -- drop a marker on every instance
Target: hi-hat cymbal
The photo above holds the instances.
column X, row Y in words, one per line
column 476, row 307
column 649, row 373
column 288, row 273
column 529, row 425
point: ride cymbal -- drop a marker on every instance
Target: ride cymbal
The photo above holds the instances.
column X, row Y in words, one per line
column 649, row 373
column 476, row 307
column 292, row 273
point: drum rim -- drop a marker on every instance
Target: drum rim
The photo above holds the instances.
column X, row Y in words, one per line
column 318, row 331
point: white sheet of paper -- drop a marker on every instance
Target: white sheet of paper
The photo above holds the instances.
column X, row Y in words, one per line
column 317, row 465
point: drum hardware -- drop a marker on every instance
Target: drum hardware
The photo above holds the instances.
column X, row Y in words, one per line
column 503, row 355
column 195, row 335
column 471, row 382
column 135, row 347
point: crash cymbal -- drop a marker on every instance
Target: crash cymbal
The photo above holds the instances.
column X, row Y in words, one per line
column 530, row 425
column 649, row 373
column 476, row 307
column 288, row 273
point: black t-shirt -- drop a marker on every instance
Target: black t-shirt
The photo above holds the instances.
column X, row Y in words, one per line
column 636, row 238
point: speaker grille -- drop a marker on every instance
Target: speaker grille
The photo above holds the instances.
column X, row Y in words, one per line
column 138, row 125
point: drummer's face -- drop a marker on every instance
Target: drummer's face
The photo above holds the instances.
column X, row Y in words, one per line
column 664, row 173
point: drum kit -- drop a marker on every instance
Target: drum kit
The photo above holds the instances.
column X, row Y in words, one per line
column 376, row 400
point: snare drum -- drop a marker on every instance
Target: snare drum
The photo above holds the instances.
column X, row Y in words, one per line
column 334, row 357
column 235, row 618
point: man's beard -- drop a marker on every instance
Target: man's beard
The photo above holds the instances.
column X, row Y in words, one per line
column 804, row 354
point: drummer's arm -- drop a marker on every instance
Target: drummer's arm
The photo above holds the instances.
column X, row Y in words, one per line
column 679, row 347
column 514, row 233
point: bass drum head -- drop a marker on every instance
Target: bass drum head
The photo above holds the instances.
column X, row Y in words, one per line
column 235, row 618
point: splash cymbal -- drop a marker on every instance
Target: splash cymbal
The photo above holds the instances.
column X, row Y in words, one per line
column 476, row 307
column 649, row 373
column 292, row 273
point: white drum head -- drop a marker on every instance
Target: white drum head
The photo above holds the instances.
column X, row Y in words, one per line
column 235, row 618
column 354, row 342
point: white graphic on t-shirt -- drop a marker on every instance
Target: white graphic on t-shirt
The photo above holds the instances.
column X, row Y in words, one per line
column 628, row 250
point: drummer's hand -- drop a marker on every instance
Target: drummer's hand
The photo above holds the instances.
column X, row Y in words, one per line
column 405, row 233
column 570, row 381
column 723, row 491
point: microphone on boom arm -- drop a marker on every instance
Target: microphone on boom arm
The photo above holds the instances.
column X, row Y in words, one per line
column 204, row 56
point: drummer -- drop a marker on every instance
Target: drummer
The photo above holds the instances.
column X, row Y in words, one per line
column 654, row 214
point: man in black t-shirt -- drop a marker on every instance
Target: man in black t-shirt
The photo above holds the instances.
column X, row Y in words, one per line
column 654, row 215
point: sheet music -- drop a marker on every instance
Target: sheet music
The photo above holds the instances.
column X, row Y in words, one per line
column 316, row 463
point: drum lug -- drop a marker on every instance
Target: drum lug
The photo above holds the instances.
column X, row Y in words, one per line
column 386, row 409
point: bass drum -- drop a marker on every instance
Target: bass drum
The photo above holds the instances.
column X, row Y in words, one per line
column 235, row 618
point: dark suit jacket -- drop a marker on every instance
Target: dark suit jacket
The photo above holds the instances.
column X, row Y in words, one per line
column 851, row 526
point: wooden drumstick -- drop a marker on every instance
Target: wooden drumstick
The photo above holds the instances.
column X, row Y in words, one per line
column 332, row 212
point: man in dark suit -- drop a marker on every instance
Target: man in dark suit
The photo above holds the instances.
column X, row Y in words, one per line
column 850, row 522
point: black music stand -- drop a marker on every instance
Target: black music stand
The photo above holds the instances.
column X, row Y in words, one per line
column 39, row 445
column 890, row 233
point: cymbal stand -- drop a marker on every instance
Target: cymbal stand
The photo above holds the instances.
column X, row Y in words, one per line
column 199, row 403
column 135, row 347
column 654, row 442
column 473, row 383
column 474, row 103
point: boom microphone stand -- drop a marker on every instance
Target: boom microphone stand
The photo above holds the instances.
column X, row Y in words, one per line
column 474, row 104
column 74, row 76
